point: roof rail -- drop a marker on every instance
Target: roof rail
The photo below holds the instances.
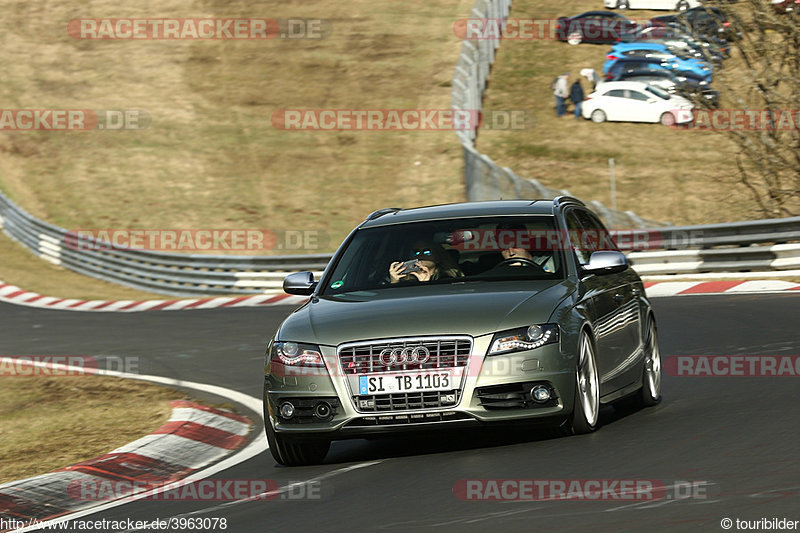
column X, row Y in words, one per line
column 381, row 212
column 560, row 200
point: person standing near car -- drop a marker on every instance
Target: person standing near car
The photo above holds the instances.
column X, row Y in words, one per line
column 576, row 95
column 591, row 75
column 560, row 91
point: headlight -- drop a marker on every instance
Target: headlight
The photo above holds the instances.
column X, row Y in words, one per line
column 517, row 340
column 296, row 354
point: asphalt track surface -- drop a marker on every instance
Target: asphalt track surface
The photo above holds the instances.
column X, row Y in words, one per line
column 740, row 435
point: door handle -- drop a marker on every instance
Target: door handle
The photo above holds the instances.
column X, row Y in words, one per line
column 619, row 297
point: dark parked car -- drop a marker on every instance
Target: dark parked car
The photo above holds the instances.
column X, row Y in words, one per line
column 526, row 313
column 676, row 39
column 670, row 82
column 703, row 22
column 692, row 78
column 786, row 6
column 603, row 27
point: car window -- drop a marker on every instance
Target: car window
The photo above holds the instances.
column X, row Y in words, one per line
column 636, row 95
column 617, row 93
column 453, row 251
column 658, row 92
column 574, row 228
column 587, row 235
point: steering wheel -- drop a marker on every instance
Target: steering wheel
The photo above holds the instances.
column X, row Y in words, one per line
column 511, row 260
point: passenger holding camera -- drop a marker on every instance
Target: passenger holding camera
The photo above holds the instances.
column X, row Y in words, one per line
column 430, row 262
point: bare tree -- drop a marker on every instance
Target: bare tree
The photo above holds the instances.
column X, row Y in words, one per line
column 762, row 82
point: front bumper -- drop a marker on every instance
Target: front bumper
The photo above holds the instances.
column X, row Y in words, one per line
column 485, row 380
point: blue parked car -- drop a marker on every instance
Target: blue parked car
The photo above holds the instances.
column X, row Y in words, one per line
column 627, row 64
column 674, row 60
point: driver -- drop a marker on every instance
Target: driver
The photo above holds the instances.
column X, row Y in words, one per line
column 509, row 239
column 433, row 261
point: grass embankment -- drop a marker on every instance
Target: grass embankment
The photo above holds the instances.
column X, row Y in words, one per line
column 52, row 422
column 684, row 177
column 210, row 157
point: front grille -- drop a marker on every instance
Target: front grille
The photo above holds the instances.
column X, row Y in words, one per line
column 407, row 401
column 443, row 352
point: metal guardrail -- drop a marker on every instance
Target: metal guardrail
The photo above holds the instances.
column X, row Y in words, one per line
column 759, row 245
column 485, row 180
column 161, row 272
column 690, row 249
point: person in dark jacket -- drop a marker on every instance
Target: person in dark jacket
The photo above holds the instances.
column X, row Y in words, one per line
column 576, row 96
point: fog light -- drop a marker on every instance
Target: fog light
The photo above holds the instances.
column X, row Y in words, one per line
column 322, row 410
column 540, row 394
column 286, row 410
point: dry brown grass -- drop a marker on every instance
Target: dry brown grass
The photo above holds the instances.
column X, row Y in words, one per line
column 683, row 177
column 52, row 422
column 212, row 159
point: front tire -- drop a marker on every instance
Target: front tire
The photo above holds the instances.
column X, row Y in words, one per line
column 622, row 4
column 295, row 453
column 650, row 393
column 683, row 5
column 668, row 119
column 586, row 410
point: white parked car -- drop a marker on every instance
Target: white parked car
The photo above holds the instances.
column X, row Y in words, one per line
column 634, row 101
column 677, row 5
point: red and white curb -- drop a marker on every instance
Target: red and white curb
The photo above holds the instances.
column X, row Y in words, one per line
column 194, row 437
column 193, row 471
column 655, row 289
column 14, row 295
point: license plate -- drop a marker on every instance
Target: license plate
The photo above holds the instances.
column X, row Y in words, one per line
column 392, row 382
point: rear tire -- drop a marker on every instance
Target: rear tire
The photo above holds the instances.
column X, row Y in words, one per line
column 291, row 452
column 574, row 38
column 598, row 115
column 585, row 413
column 622, row 4
column 683, row 5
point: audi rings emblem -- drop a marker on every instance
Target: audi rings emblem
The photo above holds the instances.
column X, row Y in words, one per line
column 413, row 355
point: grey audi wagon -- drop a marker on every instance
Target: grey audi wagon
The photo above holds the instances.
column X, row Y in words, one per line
column 470, row 314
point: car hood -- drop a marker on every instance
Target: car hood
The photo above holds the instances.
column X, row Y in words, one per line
column 468, row 308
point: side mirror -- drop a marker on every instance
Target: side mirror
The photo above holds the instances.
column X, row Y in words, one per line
column 607, row 262
column 299, row 283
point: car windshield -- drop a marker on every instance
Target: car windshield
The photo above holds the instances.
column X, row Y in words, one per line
column 485, row 249
column 658, row 92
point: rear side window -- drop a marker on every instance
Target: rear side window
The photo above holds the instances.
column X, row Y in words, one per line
column 636, row 95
